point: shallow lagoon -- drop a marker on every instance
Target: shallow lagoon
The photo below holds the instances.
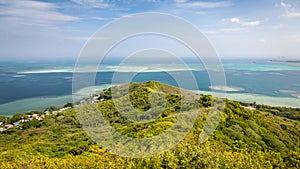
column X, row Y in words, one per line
column 26, row 87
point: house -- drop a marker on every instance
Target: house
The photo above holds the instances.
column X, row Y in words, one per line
column 35, row 116
column 63, row 109
column 47, row 112
column 249, row 107
column 8, row 126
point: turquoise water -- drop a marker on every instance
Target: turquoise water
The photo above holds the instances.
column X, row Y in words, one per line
column 35, row 86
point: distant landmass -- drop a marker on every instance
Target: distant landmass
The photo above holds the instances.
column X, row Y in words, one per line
column 293, row 61
column 287, row 61
column 247, row 136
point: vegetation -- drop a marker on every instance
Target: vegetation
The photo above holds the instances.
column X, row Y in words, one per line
column 281, row 111
column 243, row 139
column 290, row 113
column 16, row 117
column 51, row 108
column 69, row 105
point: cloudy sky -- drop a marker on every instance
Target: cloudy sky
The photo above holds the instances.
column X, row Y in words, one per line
column 50, row 29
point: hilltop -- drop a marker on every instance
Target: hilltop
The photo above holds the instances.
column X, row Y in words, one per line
column 267, row 137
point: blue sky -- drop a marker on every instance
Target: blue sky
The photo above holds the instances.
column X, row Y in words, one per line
column 38, row 30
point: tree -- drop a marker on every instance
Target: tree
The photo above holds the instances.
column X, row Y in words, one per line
column 51, row 108
column 4, row 119
column 35, row 112
column 69, row 105
column 33, row 123
column 205, row 101
column 16, row 117
column 106, row 94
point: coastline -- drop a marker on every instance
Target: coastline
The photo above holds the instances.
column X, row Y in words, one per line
column 40, row 103
column 290, row 102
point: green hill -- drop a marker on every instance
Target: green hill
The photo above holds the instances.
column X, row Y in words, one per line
column 243, row 139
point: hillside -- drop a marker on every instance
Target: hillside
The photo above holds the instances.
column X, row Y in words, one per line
column 263, row 138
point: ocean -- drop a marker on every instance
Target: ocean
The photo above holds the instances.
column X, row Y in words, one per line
column 26, row 86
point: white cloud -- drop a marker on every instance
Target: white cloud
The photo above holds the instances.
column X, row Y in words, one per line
column 180, row 1
column 262, row 40
column 203, row 4
column 295, row 37
column 292, row 14
column 32, row 12
column 201, row 13
column 289, row 11
column 210, row 32
column 85, row 38
column 242, row 22
column 277, row 26
column 154, row 1
column 233, row 29
column 92, row 3
column 100, row 18
column 285, row 5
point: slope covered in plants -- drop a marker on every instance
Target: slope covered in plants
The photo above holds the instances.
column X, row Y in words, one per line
column 243, row 139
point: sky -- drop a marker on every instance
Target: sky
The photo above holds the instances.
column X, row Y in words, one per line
column 57, row 30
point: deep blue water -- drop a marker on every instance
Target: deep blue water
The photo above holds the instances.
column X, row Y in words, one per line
column 57, row 84
column 28, row 80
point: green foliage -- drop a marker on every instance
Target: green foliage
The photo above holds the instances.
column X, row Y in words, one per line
column 243, row 138
column 283, row 126
column 69, row 105
column 34, row 112
column 106, row 94
column 205, row 101
column 51, row 108
column 140, row 99
column 31, row 124
column 16, row 117
column 4, row 119
column 290, row 113
column 274, row 143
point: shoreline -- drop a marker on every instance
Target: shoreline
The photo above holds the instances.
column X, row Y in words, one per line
column 289, row 102
column 41, row 103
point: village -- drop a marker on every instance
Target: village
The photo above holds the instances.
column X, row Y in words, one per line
column 30, row 117
column 93, row 98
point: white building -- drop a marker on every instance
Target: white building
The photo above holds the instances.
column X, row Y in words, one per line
column 35, row 116
column 8, row 126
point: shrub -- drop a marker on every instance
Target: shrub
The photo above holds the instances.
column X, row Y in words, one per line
column 283, row 126
column 252, row 135
column 205, row 101
column 233, row 134
column 31, row 124
column 274, row 143
column 16, row 117
column 35, row 112
column 51, row 108
column 69, row 105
